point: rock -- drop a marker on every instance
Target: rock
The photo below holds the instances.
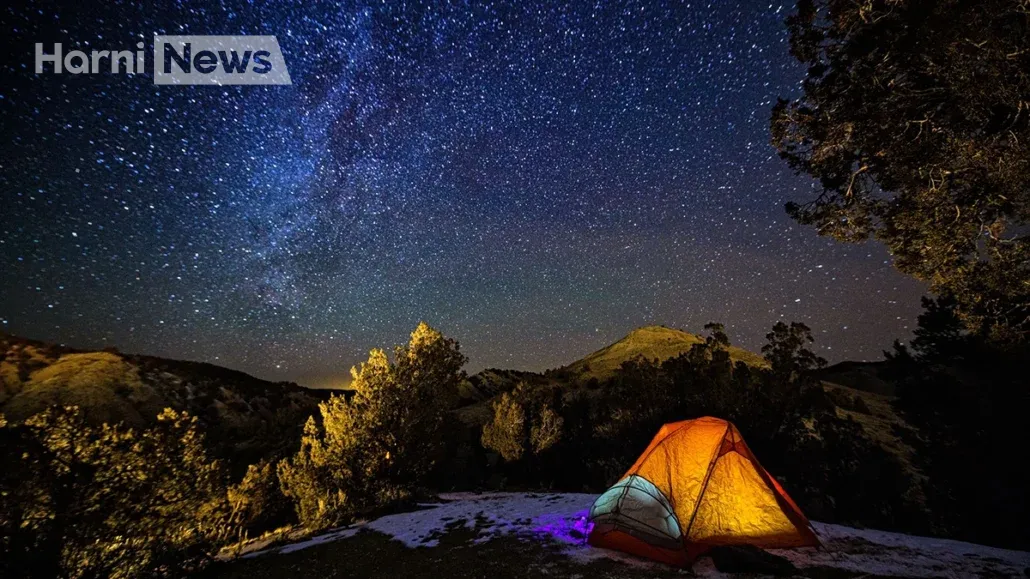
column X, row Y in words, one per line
column 749, row 559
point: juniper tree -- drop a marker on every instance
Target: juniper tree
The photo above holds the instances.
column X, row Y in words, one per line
column 915, row 119
column 383, row 443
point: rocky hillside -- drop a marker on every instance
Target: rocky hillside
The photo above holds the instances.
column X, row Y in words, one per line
column 492, row 381
column 246, row 418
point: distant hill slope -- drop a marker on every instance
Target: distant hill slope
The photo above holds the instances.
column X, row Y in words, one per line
column 855, row 388
column 653, row 343
column 865, row 376
column 245, row 418
column 492, row 381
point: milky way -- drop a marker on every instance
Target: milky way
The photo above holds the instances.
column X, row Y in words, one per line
column 533, row 179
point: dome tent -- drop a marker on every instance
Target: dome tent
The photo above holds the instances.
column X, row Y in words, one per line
column 696, row 485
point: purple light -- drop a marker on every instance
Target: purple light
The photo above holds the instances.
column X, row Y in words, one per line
column 569, row 529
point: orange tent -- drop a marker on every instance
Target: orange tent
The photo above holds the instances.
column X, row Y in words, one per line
column 697, row 485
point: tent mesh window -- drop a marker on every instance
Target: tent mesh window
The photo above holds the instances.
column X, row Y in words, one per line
column 635, row 506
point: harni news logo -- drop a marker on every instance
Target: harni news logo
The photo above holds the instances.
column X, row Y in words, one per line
column 179, row 60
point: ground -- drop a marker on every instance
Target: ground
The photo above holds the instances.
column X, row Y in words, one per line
column 524, row 535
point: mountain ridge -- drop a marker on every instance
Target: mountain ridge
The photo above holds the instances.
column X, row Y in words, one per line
column 244, row 414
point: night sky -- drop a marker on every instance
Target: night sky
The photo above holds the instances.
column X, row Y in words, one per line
column 532, row 179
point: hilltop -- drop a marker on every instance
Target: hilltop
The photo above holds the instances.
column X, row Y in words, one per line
column 654, row 343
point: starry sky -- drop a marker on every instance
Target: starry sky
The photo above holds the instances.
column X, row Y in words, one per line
column 534, row 179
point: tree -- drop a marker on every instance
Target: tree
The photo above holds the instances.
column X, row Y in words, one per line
column 523, row 425
column 915, row 118
column 713, row 354
column 547, row 430
column 968, row 400
column 507, row 434
column 108, row 501
column 385, row 442
column 787, row 351
column 257, row 503
column 318, row 476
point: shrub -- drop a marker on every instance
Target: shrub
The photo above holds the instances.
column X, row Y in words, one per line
column 84, row 501
column 257, row 504
column 383, row 444
column 506, row 434
column 522, row 425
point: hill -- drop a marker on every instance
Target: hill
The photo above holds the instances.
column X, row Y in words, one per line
column 492, row 381
column 246, row 418
column 655, row 343
column 855, row 389
column 865, row 376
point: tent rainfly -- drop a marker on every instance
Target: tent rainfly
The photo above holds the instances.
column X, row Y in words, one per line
column 696, row 485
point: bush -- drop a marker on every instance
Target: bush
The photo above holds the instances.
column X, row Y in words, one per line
column 507, row 434
column 525, row 431
column 838, row 475
column 383, row 444
column 257, row 504
column 84, row 501
column 968, row 400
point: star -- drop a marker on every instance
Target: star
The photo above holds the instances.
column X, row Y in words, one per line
column 535, row 179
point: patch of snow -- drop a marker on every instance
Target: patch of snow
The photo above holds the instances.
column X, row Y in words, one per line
column 561, row 518
column 886, row 553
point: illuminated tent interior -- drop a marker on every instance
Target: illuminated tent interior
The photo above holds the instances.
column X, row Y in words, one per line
column 696, row 485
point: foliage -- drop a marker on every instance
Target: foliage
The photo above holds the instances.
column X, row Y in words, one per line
column 916, row 121
column 317, row 478
column 523, row 425
column 546, row 431
column 85, row 501
column 507, row 434
column 256, row 503
column 840, row 475
column 385, row 442
column 969, row 401
column 787, row 352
